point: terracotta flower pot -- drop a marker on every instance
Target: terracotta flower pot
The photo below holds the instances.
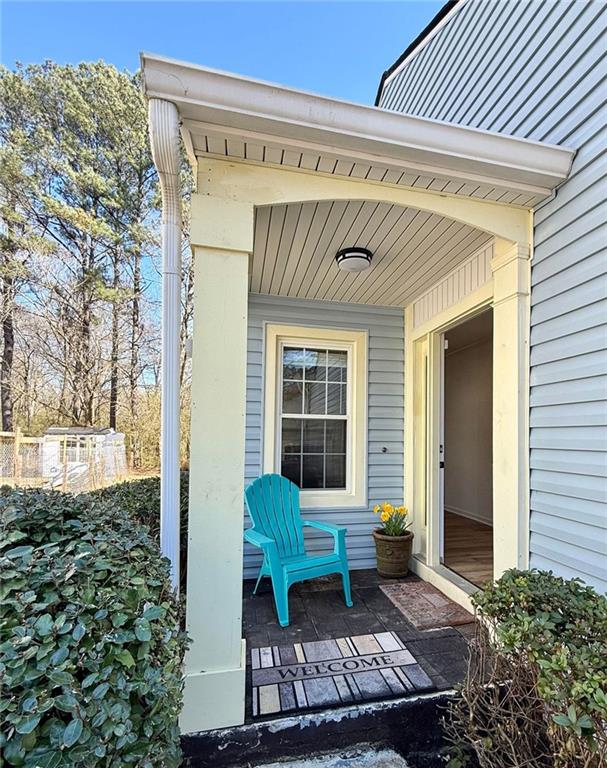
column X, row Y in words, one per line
column 393, row 554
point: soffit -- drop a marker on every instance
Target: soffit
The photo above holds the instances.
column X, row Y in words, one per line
column 229, row 116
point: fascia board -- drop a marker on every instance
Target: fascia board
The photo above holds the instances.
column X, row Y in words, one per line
column 239, row 103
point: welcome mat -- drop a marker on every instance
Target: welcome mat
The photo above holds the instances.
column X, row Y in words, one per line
column 424, row 606
column 328, row 673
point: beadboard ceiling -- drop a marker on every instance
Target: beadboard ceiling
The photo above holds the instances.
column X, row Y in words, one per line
column 295, row 246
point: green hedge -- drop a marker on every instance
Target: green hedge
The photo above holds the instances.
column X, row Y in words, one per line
column 561, row 626
column 91, row 652
column 141, row 499
column 536, row 689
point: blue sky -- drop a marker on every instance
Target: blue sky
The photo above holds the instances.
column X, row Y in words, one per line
column 336, row 48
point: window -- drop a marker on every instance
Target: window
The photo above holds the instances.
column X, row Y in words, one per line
column 315, row 412
column 314, row 417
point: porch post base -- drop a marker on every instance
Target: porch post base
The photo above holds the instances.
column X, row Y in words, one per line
column 214, row 699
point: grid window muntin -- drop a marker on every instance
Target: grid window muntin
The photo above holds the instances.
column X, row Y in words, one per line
column 315, row 392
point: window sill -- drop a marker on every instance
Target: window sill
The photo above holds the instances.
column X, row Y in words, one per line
column 335, row 499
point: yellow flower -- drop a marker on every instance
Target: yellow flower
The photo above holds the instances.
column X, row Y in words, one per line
column 376, row 508
column 401, row 510
column 388, row 508
column 385, row 516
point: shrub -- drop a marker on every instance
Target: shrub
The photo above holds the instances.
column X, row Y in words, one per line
column 91, row 653
column 141, row 499
column 536, row 689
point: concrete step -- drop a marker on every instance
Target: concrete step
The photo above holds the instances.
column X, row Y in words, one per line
column 363, row 756
column 409, row 728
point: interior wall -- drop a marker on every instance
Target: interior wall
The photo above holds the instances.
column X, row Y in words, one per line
column 468, row 431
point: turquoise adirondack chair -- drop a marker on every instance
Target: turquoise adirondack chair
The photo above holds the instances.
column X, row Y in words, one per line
column 273, row 504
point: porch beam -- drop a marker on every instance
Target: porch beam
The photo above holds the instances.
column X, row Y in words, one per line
column 262, row 185
column 215, row 662
column 511, row 269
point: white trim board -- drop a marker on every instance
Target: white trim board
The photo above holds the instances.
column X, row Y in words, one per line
column 472, row 274
column 298, row 119
column 356, row 343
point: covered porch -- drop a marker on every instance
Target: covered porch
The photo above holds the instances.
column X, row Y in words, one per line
column 284, row 181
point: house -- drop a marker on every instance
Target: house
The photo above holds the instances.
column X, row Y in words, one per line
column 463, row 370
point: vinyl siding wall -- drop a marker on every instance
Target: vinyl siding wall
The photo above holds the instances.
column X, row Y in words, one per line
column 385, row 392
column 537, row 70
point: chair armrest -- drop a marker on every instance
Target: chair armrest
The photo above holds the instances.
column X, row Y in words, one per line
column 327, row 527
column 258, row 539
column 268, row 547
column 337, row 531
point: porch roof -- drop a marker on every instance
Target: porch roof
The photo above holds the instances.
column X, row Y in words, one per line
column 227, row 115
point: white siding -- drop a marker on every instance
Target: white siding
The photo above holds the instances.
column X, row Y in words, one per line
column 537, row 70
column 385, row 394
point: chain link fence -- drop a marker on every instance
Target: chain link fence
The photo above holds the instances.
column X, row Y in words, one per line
column 68, row 462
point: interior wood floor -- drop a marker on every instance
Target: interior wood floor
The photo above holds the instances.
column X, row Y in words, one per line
column 468, row 548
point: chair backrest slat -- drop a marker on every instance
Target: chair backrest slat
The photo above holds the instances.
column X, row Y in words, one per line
column 273, row 505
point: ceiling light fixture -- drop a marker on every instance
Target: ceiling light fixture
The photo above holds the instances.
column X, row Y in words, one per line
column 353, row 259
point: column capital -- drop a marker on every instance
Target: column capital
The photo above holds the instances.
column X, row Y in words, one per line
column 511, row 270
column 221, row 223
column 506, row 251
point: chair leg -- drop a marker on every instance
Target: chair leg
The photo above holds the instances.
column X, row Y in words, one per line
column 259, row 578
column 281, row 600
column 345, row 580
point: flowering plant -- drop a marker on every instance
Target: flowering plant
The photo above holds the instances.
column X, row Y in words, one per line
column 394, row 519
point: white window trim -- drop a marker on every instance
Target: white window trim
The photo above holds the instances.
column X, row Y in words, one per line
column 355, row 342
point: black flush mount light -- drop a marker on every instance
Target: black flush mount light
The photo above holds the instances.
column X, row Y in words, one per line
column 353, row 259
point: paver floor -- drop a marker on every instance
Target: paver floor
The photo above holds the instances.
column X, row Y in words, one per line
column 318, row 613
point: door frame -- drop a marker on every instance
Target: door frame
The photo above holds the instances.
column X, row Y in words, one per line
column 441, row 451
column 422, row 439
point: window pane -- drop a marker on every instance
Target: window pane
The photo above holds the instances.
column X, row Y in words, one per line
column 291, row 467
column 314, row 436
column 291, row 435
column 335, row 471
column 316, row 365
column 313, row 450
column 291, row 397
column 316, row 394
column 336, row 436
column 312, row 471
column 336, row 399
column 338, row 366
column 292, row 363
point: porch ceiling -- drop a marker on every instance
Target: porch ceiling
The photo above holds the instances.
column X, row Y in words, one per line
column 295, row 246
column 226, row 115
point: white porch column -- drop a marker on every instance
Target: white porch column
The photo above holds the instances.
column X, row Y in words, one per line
column 222, row 239
column 511, row 289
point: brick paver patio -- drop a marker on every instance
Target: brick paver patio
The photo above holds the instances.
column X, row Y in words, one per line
column 318, row 614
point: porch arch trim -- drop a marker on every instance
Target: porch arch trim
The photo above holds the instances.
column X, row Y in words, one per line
column 261, row 185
